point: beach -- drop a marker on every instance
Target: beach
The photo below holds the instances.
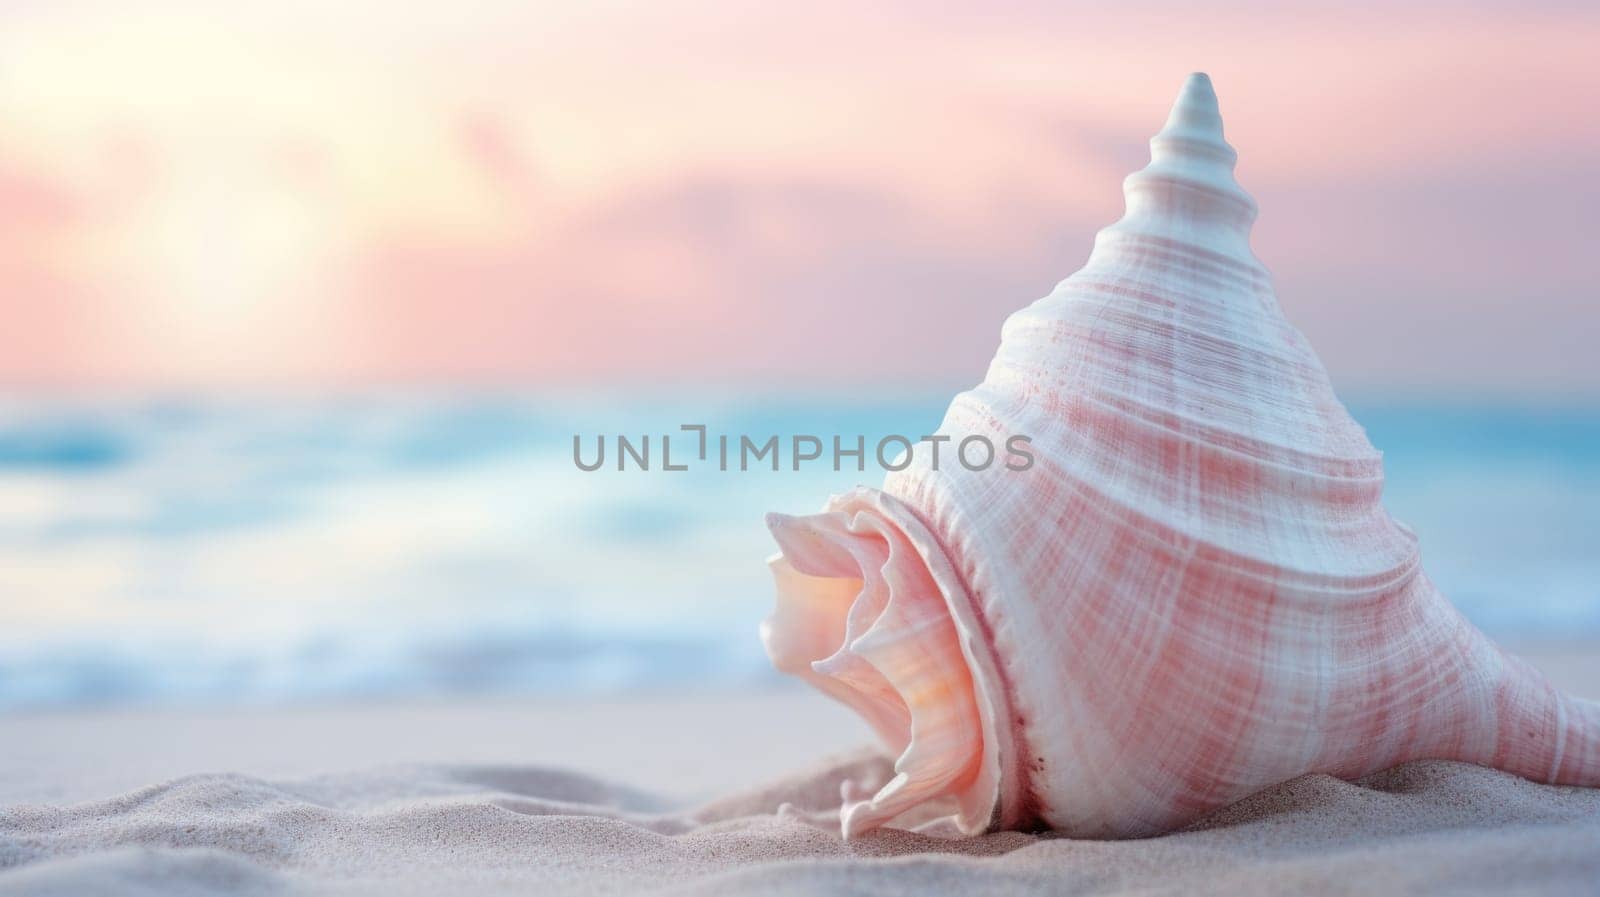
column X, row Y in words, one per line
column 469, row 449
column 708, row 793
column 566, row 695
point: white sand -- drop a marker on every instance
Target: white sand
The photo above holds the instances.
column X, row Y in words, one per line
column 488, row 804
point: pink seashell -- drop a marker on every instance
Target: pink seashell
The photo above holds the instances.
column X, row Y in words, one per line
column 1194, row 593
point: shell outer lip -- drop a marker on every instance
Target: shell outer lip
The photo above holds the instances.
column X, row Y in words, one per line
column 999, row 762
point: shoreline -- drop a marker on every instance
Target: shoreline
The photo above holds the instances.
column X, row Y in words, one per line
column 697, row 749
column 687, row 746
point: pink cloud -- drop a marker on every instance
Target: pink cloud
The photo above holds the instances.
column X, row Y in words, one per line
column 702, row 195
column 712, row 279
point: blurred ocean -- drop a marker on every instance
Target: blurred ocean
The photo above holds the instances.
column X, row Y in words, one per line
column 164, row 550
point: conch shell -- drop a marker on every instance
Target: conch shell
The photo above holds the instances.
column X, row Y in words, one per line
column 1194, row 593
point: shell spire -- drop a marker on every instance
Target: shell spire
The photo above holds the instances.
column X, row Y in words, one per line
column 1195, row 591
column 1188, row 193
column 1196, row 117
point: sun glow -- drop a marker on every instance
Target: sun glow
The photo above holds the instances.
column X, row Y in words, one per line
column 519, row 191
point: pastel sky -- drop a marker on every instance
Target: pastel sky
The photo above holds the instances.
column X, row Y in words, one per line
column 818, row 195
